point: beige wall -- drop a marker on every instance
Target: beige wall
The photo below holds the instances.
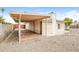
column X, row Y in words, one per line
column 49, row 25
column 50, row 28
column 27, row 26
column 37, row 26
column 47, row 28
column 62, row 28
column 44, row 31
column 31, row 26
column 34, row 26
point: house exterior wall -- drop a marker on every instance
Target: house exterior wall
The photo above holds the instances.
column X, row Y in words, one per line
column 49, row 25
column 15, row 26
column 62, row 28
column 31, row 26
column 47, row 28
column 34, row 26
column 37, row 26
column 27, row 26
column 53, row 18
column 44, row 31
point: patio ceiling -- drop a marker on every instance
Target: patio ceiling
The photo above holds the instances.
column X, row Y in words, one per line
column 28, row 16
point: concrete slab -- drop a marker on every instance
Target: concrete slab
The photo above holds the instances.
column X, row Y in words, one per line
column 28, row 35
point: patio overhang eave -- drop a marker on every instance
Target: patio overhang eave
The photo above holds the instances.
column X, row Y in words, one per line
column 28, row 16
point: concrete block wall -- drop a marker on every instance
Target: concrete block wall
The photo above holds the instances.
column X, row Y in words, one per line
column 5, row 30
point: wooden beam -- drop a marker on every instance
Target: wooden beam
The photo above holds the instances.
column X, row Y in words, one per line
column 19, row 28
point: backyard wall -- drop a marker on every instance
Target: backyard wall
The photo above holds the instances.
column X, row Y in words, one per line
column 5, row 30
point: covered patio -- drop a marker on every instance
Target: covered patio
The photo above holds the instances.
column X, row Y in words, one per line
column 35, row 24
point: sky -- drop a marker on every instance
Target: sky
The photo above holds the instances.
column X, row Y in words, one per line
column 61, row 12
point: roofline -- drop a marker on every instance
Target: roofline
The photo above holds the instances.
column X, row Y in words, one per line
column 39, row 14
column 60, row 21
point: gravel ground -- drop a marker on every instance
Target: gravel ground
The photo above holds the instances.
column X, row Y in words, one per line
column 69, row 42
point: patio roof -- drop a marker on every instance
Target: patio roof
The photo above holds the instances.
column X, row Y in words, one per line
column 28, row 16
column 25, row 17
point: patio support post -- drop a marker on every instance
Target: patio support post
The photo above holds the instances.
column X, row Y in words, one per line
column 20, row 28
column 46, row 27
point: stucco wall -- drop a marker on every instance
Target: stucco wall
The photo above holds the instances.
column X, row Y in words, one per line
column 47, row 28
column 62, row 28
column 44, row 31
column 37, row 26
column 50, row 28
column 31, row 26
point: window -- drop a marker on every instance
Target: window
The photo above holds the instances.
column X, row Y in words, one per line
column 58, row 26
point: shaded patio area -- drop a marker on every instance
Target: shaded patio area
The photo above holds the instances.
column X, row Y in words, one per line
column 28, row 35
column 35, row 21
